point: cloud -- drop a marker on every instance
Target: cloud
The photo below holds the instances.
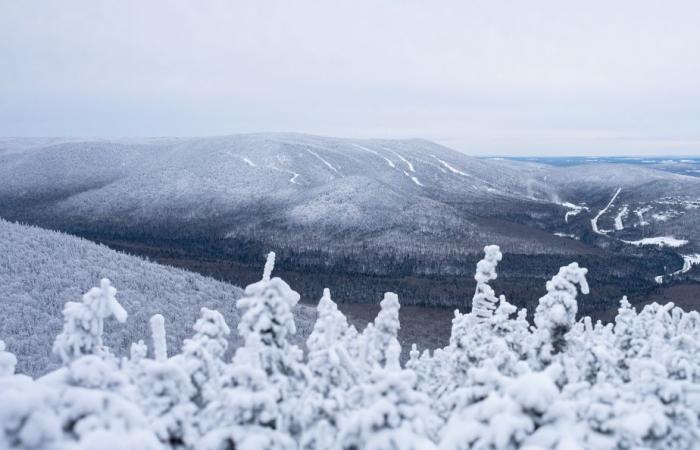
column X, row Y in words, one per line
column 494, row 77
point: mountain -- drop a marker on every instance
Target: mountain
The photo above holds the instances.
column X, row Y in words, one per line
column 40, row 270
column 277, row 184
column 360, row 214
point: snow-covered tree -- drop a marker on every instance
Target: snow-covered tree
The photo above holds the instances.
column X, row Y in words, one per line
column 8, row 361
column 556, row 312
column 160, row 347
column 332, row 373
column 84, row 323
column 485, row 301
column 264, row 385
column 389, row 413
column 202, row 355
column 382, row 333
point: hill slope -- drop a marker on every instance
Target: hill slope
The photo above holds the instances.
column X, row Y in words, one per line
column 40, row 270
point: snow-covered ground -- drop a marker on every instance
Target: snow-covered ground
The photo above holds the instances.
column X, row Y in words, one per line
column 619, row 225
column 575, row 210
column 661, row 241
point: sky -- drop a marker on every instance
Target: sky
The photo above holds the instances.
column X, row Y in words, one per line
column 493, row 77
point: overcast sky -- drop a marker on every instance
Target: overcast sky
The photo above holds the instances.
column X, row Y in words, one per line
column 489, row 77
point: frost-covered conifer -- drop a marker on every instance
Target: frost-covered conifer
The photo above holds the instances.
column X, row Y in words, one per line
column 247, row 412
column 164, row 393
column 265, row 325
column 160, row 347
column 389, row 413
column 332, row 373
column 28, row 417
column 84, row 323
column 8, row 361
column 485, row 301
column 556, row 312
column 201, row 356
column 380, row 335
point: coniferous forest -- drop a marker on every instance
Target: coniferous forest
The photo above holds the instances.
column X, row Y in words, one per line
column 507, row 380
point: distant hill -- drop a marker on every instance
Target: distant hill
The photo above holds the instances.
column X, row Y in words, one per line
column 353, row 208
column 40, row 270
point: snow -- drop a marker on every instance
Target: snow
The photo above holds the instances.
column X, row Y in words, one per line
column 329, row 165
column 408, row 163
column 661, row 241
column 500, row 384
column 618, row 219
column 160, row 347
column 249, row 162
column 640, row 214
column 575, row 210
column 451, row 168
column 389, row 162
column 594, row 221
column 414, row 179
column 485, row 301
column 662, row 217
column 688, row 262
column 293, row 174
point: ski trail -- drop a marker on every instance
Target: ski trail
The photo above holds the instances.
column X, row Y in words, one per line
column 249, row 162
column 374, row 152
column 414, row 179
column 329, row 165
column 391, row 163
column 594, row 221
column 407, row 162
column 618, row 219
column 575, row 210
column 294, row 175
column 688, row 262
column 451, row 168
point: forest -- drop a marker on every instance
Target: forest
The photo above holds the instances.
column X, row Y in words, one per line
column 547, row 378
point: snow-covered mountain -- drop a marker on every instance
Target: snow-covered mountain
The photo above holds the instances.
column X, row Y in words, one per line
column 40, row 270
column 304, row 183
column 384, row 207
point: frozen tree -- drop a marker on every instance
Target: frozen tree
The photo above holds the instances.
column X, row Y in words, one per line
column 556, row 312
column 202, row 355
column 389, row 413
column 248, row 412
column 160, row 347
column 382, row 333
column 84, row 323
column 28, row 417
column 266, row 323
column 485, row 301
column 8, row 361
column 332, row 373
column 164, row 393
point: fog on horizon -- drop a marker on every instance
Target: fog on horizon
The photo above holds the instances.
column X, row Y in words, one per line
column 484, row 77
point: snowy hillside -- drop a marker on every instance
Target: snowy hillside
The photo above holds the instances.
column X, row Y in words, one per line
column 312, row 184
column 40, row 270
column 269, row 185
column 390, row 208
column 500, row 384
